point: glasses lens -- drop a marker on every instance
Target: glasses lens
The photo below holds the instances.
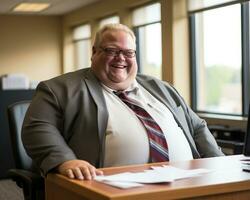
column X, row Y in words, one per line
column 129, row 53
column 115, row 52
column 111, row 52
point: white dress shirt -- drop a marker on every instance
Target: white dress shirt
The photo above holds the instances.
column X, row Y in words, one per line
column 126, row 138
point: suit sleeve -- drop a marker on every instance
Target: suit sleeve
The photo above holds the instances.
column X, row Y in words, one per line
column 203, row 138
column 42, row 130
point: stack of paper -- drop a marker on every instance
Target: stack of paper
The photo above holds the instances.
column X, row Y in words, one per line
column 162, row 174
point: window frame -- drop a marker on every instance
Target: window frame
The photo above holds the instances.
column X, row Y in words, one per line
column 76, row 41
column 245, row 72
column 136, row 28
column 245, row 56
column 137, row 35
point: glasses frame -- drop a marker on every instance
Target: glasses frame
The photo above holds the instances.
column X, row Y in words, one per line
column 109, row 51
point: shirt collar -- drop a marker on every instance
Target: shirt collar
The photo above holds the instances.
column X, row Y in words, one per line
column 134, row 87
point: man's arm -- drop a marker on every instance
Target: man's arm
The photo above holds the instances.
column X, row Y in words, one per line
column 203, row 138
column 195, row 128
column 43, row 140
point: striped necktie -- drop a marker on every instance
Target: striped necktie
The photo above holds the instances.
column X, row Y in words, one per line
column 157, row 140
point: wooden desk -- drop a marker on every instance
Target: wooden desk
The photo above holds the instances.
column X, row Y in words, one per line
column 227, row 181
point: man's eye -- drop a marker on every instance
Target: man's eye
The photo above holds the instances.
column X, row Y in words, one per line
column 112, row 51
column 129, row 52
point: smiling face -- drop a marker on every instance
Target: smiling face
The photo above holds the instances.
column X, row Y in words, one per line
column 117, row 72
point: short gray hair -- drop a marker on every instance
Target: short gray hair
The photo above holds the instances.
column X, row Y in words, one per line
column 112, row 27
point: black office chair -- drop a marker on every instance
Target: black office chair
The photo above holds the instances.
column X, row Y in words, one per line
column 24, row 175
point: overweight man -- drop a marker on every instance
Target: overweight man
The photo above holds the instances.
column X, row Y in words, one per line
column 108, row 115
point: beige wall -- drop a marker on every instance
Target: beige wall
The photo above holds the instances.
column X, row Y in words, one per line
column 31, row 45
column 180, row 39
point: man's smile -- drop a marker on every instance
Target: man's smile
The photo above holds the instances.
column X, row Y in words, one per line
column 119, row 66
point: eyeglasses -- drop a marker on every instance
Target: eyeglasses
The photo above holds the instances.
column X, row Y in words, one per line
column 128, row 53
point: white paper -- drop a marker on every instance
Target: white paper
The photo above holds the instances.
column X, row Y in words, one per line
column 178, row 173
column 123, row 185
column 149, row 176
column 157, row 174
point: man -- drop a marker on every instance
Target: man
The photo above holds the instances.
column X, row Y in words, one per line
column 77, row 121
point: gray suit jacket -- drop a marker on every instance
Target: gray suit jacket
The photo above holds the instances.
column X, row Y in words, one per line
column 68, row 117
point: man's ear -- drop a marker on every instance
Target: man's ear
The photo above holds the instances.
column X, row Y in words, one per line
column 93, row 52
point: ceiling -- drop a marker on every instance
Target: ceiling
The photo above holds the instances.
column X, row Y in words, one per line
column 58, row 7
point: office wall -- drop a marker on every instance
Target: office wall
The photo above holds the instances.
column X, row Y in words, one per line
column 31, row 45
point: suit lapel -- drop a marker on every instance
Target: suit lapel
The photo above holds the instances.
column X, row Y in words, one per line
column 95, row 90
column 159, row 91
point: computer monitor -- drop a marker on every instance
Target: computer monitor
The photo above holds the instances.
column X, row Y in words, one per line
column 247, row 137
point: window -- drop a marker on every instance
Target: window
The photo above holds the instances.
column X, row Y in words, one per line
column 220, row 75
column 109, row 20
column 82, row 46
column 147, row 26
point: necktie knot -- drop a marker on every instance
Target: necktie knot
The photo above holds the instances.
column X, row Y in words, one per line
column 123, row 95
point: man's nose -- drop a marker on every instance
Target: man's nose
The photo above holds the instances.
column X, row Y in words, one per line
column 120, row 55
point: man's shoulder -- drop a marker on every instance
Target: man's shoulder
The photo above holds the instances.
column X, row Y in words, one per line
column 152, row 83
column 71, row 81
column 142, row 78
column 70, row 76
